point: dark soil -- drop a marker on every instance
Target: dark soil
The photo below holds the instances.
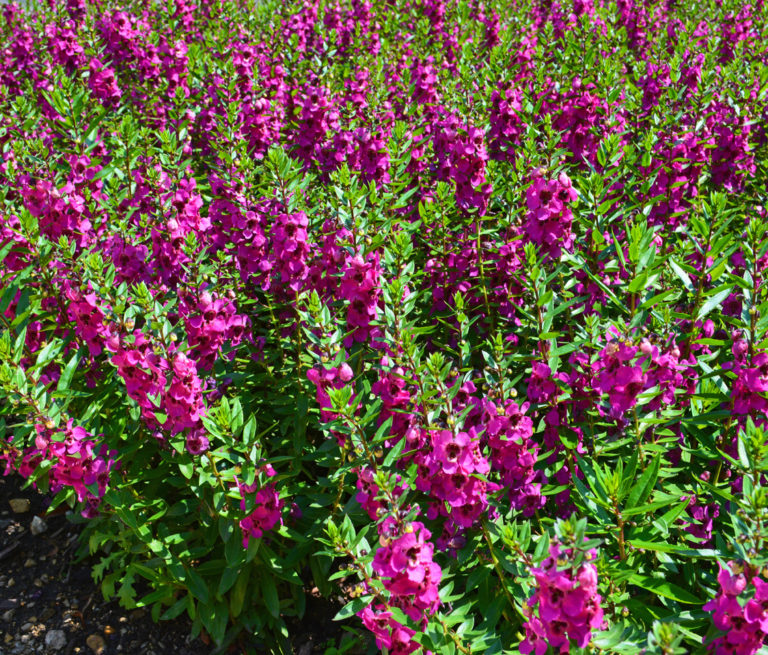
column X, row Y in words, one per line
column 43, row 590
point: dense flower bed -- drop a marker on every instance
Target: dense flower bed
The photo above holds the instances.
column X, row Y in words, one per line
column 454, row 308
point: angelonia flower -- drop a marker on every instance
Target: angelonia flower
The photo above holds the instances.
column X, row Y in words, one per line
column 360, row 285
column 404, row 562
column 154, row 382
column 103, row 83
column 265, row 506
column 388, row 633
column 703, row 515
column 565, row 607
column 325, row 378
column 86, row 313
column 740, row 611
column 514, row 453
column 450, row 471
column 78, row 462
column 210, row 322
column 549, row 213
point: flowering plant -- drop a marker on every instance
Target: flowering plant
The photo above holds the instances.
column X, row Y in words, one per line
column 453, row 310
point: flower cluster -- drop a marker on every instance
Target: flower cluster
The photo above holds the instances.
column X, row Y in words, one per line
column 452, row 471
column 745, row 624
column 78, row 462
column 263, row 507
column 209, row 323
column 169, row 391
column 549, row 213
column 565, row 607
column 405, row 564
column 461, row 157
column 360, row 285
column 514, row 452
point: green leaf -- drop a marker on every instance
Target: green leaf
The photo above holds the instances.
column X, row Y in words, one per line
column 187, row 469
column 214, row 618
column 664, row 588
column 351, row 608
column 594, row 479
column 715, row 300
column 394, row 453
column 649, row 507
column 127, row 593
column 228, row 578
column 69, row 371
column 48, row 353
column 663, row 547
column 175, row 610
column 237, row 596
column 644, row 486
column 269, row 592
column 682, row 275
column 197, row 586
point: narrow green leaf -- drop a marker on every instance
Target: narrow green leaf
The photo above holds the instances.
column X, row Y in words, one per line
column 644, row 486
column 65, row 379
column 715, row 300
column 197, row 586
column 664, row 588
column 269, row 592
column 682, row 275
column 351, row 608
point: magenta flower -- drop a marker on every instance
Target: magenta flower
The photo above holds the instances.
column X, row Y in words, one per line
column 567, row 601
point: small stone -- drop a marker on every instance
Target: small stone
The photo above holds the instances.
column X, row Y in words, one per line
column 38, row 582
column 19, row 505
column 96, row 643
column 47, row 614
column 109, row 630
column 29, row 563
column 11, row 582
column 8, row 638
column 26, row 627
column 55, row 639
column 7, row 616
column 38, row 526
column 138, row 614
